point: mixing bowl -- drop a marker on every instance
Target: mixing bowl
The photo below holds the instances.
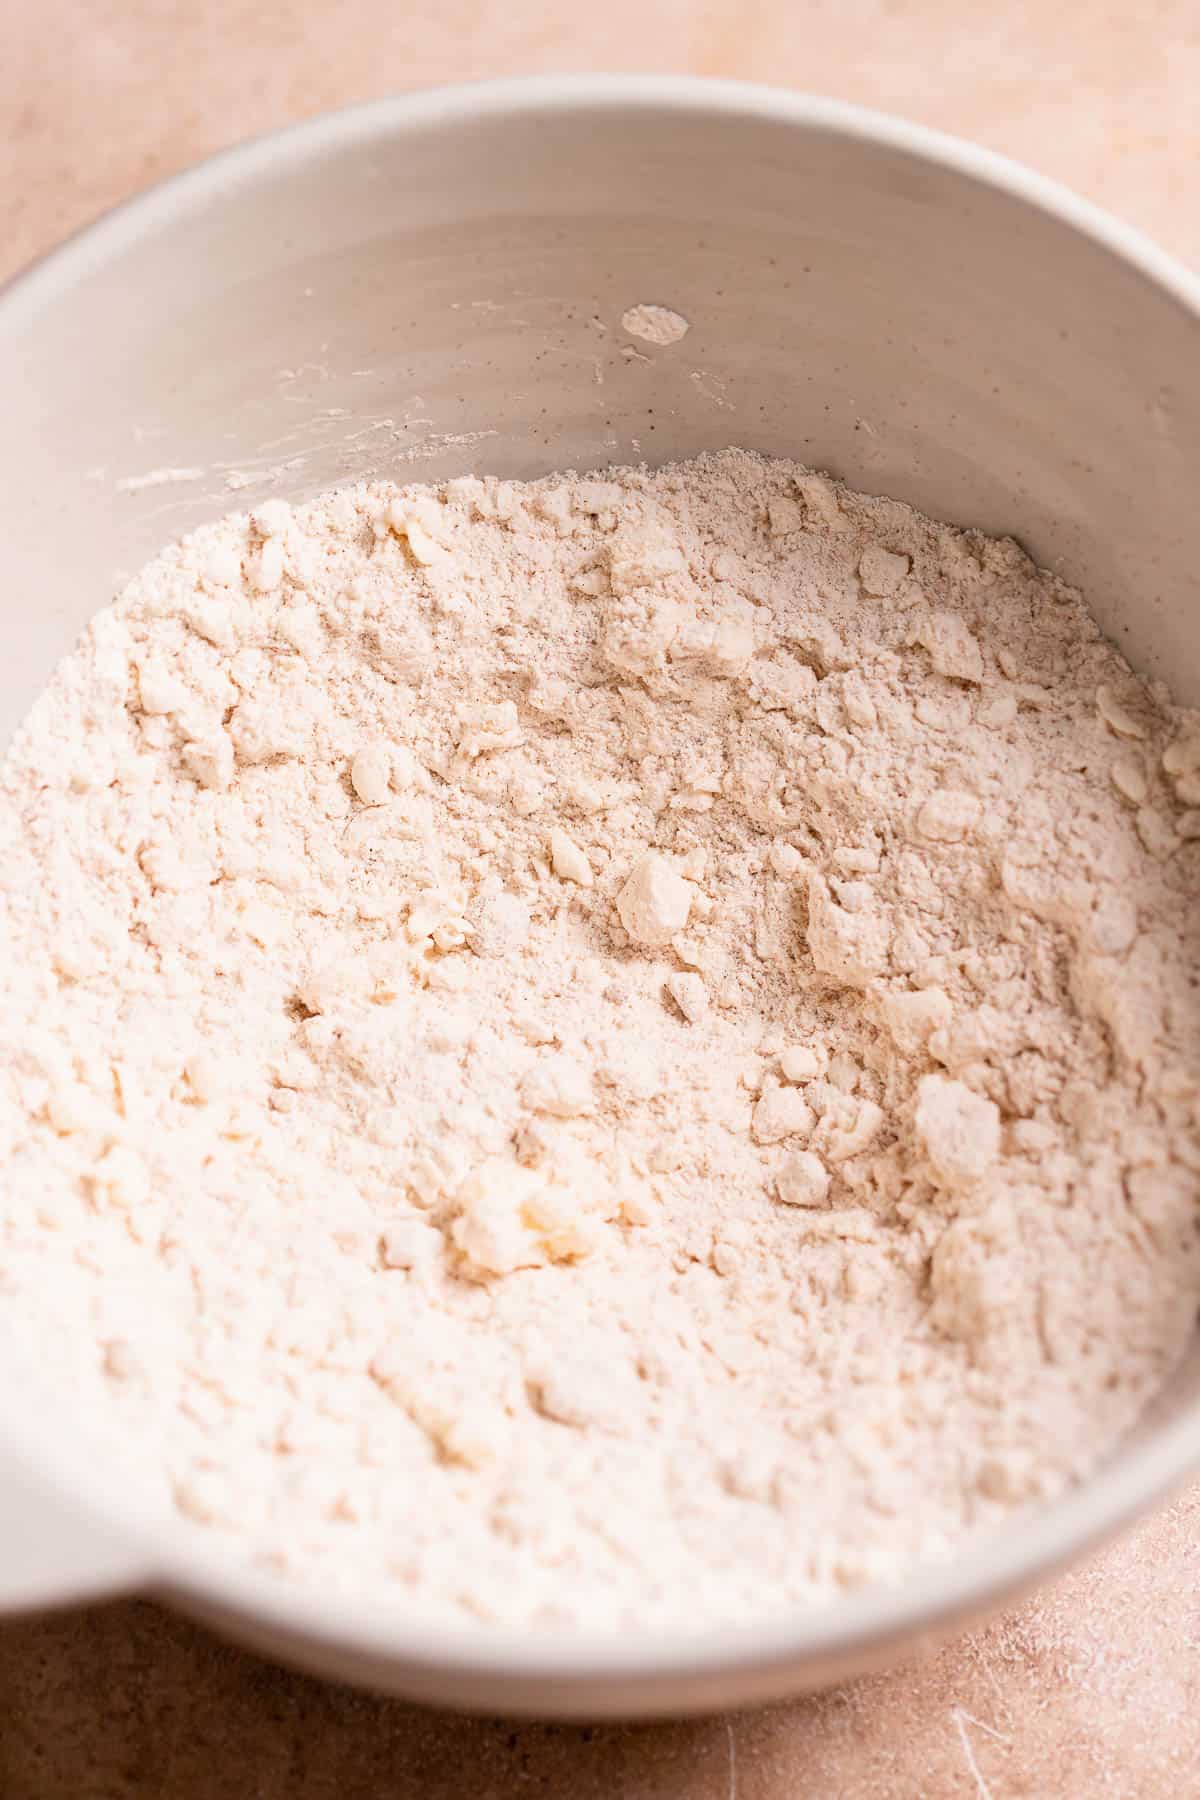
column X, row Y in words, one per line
column 436, row 284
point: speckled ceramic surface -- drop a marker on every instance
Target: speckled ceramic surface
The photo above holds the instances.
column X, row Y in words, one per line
column 1090, row 1690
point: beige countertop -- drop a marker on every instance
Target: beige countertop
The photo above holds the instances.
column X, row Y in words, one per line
column 1093, row 1688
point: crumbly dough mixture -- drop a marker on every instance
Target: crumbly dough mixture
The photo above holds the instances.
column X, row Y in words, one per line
column 621, row 1050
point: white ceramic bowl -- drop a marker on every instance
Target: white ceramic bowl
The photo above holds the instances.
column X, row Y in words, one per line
column 435, row 284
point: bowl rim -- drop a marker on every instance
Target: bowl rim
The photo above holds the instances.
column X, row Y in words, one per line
column 935, row 1597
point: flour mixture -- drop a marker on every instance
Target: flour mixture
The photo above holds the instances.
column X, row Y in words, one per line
column 623, row 1050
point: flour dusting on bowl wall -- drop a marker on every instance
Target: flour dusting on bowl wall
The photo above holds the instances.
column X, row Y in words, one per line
column 603, row 1064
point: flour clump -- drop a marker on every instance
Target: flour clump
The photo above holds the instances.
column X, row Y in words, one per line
column 615, row 1051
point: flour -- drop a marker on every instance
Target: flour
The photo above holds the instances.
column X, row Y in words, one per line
column 657, row 325
column 617, row 1050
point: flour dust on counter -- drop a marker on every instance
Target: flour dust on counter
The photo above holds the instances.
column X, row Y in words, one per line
column 615, row 1052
